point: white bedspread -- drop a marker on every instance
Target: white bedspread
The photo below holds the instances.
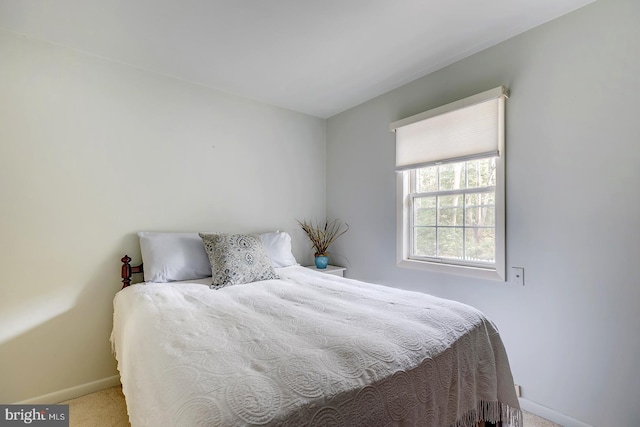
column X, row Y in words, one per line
column 309, row 349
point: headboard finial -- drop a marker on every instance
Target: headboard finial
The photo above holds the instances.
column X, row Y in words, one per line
column 128, row 270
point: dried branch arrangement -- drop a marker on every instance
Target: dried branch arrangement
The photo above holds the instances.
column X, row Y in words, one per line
column 323, row 233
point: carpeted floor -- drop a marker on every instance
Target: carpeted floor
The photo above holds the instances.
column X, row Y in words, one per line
column 104, row 408
column 107, row 409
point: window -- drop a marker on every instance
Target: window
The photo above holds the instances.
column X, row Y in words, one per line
column 452, row 212
column 451, row 187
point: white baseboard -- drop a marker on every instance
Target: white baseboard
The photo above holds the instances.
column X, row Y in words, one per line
column 73, row 392
column 550, row 414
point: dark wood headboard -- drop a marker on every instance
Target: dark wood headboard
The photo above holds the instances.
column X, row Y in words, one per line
column 128, row 270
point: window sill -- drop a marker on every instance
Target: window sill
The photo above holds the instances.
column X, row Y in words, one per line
column 475, row 272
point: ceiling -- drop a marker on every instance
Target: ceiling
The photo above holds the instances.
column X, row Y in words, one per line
column 317, row 57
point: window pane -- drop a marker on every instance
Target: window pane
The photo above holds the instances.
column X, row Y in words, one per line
column 481, row 173
column 480, row 199
column 450, row 244
column 480, row 210
column 473, row 174
column 450, row 210
column 488, row 174
column 424, row 211
column 427, row 179
column 452, row 176
column 425, row 241
column 480, row 244
column 450, row 216
column 480, row 216
column 450, row 201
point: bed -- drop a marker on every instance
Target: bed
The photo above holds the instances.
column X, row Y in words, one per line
column 305, row 348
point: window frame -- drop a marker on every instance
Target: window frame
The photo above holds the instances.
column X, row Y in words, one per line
column 462, row 192
column 494, row 271
column 404, row 233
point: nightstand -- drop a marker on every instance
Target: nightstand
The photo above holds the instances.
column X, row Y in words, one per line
column 331, row 269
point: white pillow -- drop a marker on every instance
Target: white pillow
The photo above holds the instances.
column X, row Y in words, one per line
column 169, row 257
column 277, row 246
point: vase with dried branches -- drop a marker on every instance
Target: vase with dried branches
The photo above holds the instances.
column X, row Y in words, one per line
column 322, row 234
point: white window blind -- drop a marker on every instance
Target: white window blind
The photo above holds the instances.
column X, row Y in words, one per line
column 462, row 130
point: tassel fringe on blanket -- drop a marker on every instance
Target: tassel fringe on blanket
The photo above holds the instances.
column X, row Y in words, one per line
column 492, row 412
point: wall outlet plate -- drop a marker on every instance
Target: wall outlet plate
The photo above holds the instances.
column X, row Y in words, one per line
column 518, row 275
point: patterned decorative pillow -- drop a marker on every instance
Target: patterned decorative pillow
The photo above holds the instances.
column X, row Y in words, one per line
column 236, row 259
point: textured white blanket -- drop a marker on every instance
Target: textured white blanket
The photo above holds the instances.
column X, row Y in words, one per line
column 309, row 349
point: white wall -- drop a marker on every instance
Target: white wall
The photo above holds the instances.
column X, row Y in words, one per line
column 573, row 203
column 91, row 152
